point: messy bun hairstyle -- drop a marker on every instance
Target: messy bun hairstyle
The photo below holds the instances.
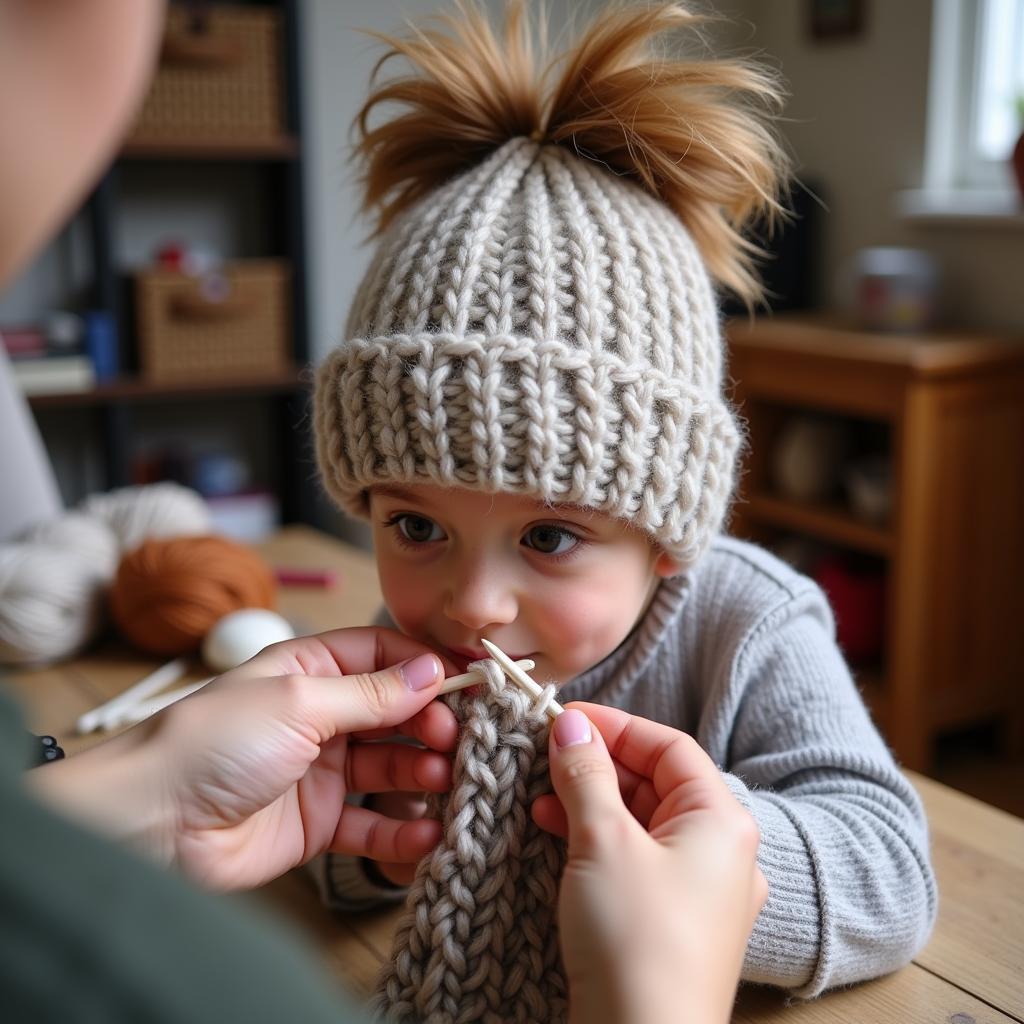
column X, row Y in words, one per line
column 696, row 133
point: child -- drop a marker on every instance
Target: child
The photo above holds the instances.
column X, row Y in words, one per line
column 528, row 406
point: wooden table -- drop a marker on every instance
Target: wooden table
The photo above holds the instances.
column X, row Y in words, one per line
column 971, row 972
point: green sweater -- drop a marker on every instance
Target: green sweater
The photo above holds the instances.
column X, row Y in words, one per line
column 91, row 933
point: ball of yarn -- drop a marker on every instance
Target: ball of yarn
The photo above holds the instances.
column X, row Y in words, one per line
column 160, row 510
column 90, row 538
column 54, row 576
column 168, row 593
column 241, row 635
column 53, row 589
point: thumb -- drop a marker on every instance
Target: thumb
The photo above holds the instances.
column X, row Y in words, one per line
column 584, row 778
column 390, row 696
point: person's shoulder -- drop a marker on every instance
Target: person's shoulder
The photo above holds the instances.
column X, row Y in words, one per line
column 738, row 574
column 739, row 591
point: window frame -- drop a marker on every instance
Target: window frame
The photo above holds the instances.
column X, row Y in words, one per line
column 953, row 97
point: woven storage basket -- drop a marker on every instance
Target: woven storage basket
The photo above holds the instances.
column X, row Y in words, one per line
column 219, row 79
column 225, row 327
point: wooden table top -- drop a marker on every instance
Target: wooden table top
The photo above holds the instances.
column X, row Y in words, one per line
column 972, row 970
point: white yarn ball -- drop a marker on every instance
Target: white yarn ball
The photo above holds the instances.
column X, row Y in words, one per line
column 54, row 577
column 241, row 635
column 52, row 602
column 90, row 538
column 161, row 510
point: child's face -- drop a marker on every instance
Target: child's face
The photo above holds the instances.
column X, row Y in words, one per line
column 558, row 584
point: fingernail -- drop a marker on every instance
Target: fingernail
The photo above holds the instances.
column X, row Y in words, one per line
column 418, row 673
column 572, row 727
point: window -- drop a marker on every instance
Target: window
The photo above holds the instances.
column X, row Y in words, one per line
column 977, row 76
column 999, row 83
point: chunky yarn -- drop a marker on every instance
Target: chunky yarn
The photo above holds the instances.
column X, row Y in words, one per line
column 479, row 940
column 54, row 576
column 136, row 514
column 53, row 588
column 168, row 593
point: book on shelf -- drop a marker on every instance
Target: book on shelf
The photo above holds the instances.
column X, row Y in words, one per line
column 48, row 375
column 23, row 342
column 51, row 355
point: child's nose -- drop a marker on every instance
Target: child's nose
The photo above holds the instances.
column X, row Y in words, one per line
column 480, row 600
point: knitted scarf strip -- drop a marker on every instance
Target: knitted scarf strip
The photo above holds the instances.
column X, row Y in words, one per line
column 479, row 941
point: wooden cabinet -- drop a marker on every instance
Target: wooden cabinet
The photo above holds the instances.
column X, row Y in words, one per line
column 950, row 409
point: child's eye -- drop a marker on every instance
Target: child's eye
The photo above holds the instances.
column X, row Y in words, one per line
column 550, row 540
column 417, row 529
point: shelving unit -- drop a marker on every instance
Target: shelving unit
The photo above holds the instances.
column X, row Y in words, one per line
column 136, row 390
column 275, row 165
column 831, row 523
column 285, row 148
column 952, row 407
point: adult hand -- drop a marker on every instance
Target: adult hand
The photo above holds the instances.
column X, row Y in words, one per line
column 403, row 807
column 662, row 887
column 247, row 777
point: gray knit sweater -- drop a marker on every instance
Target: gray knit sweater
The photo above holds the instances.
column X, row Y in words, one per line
column 741, row 653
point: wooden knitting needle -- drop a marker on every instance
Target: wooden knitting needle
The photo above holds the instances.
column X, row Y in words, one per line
column 453, row 683
column 519, row 677
column 153, row 683
column 144, row 709
column 132, row 705
column 139, row 712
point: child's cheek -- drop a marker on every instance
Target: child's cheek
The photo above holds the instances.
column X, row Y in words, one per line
column 582, row 630
column 405, row 602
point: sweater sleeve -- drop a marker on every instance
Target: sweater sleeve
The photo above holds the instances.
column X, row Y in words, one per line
column 844, row 839
column 344, row 884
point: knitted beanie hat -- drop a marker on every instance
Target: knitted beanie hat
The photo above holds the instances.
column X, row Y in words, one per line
column 543, row 322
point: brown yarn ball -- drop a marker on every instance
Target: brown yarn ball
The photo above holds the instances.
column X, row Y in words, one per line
column 168, row 593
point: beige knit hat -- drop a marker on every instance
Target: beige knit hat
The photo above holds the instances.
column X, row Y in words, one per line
column 537, row 325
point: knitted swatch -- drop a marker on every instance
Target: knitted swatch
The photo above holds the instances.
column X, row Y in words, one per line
column 479, row 941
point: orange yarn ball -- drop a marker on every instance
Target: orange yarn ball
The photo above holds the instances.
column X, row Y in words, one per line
column 168, row 593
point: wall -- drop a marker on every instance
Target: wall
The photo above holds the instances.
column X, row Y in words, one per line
column 856, row 120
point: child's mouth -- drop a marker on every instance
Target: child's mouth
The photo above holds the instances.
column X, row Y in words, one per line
column 464, row 656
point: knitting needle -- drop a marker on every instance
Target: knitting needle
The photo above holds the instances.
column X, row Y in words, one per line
column 519, row 677
column 475, row 678
column 144, row 709
column 132, row 705
column 153, row 683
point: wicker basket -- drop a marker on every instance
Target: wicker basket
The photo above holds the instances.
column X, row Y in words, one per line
column 225, row 327
column 219, row 79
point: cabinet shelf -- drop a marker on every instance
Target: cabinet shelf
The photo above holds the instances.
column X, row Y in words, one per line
column 284, row 148
column 825, row 522
column 135, row 389
column 950, row 408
